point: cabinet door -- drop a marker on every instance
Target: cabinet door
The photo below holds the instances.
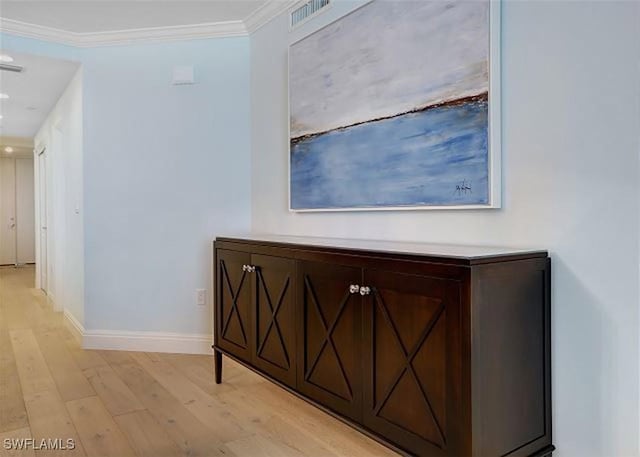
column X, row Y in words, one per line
column 330, row 336
column 274, row 304
column 233, row 304
column 412, row 365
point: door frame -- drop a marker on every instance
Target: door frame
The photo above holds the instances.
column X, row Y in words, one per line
column 40, row 194
column 20, row 219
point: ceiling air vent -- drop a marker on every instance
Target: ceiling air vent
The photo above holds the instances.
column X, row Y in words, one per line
column 305, row 12
column 14, row 68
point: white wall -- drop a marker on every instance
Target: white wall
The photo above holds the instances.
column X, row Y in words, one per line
column 571, row 112
column 166, row 168
column 62, row 136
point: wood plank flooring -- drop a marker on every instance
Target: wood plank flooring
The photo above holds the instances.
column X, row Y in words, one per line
column 119, row 404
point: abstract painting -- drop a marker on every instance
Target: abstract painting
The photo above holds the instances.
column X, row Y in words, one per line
column 394, row 106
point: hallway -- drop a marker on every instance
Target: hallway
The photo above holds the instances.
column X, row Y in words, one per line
column 119, row 404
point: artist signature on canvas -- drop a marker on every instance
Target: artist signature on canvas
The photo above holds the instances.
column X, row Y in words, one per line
column 463, row 188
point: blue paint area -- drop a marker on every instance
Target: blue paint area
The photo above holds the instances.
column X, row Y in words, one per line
column 436, row 157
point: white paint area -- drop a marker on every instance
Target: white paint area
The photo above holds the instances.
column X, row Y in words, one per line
column 388, row 58
column 570, row 111
column 32, row 93
column 166, row 168
column 59, row 229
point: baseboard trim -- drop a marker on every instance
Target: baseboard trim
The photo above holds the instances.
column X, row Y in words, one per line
column 74, row 326
column 177, row 343
column 114, row 340
column 54, row 302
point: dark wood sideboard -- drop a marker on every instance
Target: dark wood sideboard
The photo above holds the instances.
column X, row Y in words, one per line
column 432, row 350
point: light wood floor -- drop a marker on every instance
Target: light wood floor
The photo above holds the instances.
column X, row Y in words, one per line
column 120, row 404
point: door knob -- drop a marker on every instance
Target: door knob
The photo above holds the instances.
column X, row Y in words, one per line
column 365, row 290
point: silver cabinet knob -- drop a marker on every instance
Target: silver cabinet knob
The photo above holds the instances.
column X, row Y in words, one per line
column 365, row 290
column 354, row 288
column 248, row 268
column 244, row 267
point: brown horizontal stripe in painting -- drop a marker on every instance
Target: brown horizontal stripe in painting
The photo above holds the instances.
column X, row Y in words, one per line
column 483, row 97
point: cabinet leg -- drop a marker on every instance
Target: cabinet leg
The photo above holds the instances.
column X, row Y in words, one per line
column 217, row 355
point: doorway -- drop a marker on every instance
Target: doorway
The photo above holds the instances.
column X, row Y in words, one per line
column 8, row 211
column 17, row 231
column 49, row 134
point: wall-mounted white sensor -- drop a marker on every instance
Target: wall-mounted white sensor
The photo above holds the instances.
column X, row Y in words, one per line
column 182, row 75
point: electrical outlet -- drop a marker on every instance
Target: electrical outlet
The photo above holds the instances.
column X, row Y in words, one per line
column 201, row 297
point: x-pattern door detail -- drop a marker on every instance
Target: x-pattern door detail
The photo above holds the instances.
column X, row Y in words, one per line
column 273, row 318
column 274, row 325
column 408, row 321
column 233, row 307
column 408, row 357
column 328, row 338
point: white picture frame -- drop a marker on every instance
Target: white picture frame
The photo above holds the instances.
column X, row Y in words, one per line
column 494, row 129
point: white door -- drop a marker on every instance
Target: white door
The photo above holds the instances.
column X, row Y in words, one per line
column 7, row 211
column 44, row 264
column 25, row 211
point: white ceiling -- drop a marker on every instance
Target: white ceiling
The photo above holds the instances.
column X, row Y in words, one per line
column 32, row 93
column 93, row 16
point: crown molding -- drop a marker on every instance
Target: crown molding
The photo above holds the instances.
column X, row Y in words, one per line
column 162, row 34
column 35, row 31
column 145, row 35
column 270, row 10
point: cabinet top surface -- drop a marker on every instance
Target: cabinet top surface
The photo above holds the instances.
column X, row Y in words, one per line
column 464, row 252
